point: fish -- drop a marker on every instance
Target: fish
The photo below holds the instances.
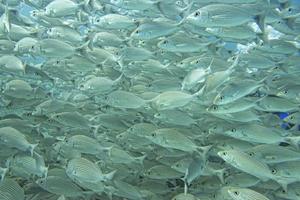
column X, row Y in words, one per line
column 83, row 170
column 257, row 133
column 10, row 189
column 222, row 15
column 243, row 193
column 149, row 99
column 13, row 138
column 250, row 165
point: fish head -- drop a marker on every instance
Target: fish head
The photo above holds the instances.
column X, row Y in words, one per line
column 212, row 108
column 234, row 193
column 138, row 33
column 100, row 21
column 291, row 119
column 69, row 142
column 290, row 12
column 226, row 156
column 35, row 14
column 49, row 11
column 35, row 48
column 284, row 93
column 214, row 30
column 41, row 182
column 117, row 2
column 52, row 32
column 159, row 116
column 164, row 44
column 198, row 17
column 219, row 99
column 233, row 132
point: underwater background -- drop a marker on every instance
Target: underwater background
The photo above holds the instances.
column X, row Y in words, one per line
column 149, row 99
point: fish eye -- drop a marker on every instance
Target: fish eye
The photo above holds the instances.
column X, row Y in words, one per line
column 285, row 91
column 279, row 22
column 98, row 20
column 290, row 9
column 292, row 117
column 224, row 153
column 274, row 171
column 233, row 130
column 165, row 42
column 137, row 31
column 153, row 134
column 283, row 191
column 221, row 97
column 236, row 193
column 215, row 107
column 251, row 154
column 178, row 3
column 197, row 14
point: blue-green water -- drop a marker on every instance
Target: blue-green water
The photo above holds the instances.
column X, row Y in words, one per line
column 149, row 100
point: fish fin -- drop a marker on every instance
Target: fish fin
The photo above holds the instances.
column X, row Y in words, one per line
column 83, row 46
column 294, row 141
column 32, row 147
column 203, row 151
column 62, row 197
column 3, row 174
column 7, row 24
column 283, row 184
column 260, row 20
column 141, row 159
column 220, row 174
column 110, row 175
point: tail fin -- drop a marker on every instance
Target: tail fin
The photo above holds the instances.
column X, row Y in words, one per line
column 110, row 175
column 6, row 20
column 32, row 147
column 141, row 159
column 3, row 172
column 220, row 174
column 204, row 150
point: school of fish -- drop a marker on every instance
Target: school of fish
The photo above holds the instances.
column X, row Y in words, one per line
column 149, row 100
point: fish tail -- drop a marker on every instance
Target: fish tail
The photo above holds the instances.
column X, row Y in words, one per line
column 187, row 10
column 204, row 150
column 260, row 20
column 200, row 92
column 6, row 20
column 220, row 174
column 32, row 147
column 294, row 141
column 110, row 175
column 184, row 179
column 3, row 174
column 83, row 46
column 141, row 159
